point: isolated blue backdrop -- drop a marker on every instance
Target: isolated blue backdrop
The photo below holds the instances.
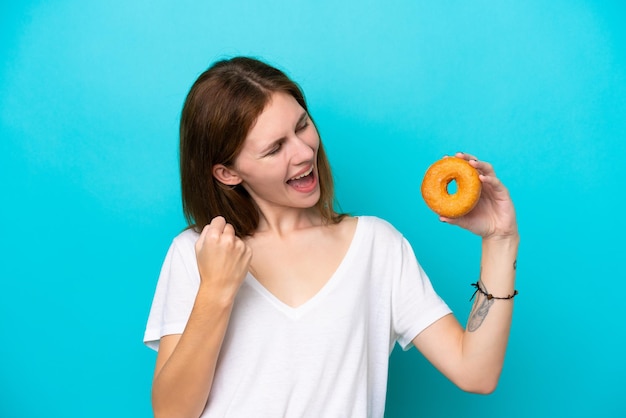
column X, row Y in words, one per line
column 90, row 95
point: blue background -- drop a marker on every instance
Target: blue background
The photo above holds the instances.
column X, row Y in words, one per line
column 90, row 96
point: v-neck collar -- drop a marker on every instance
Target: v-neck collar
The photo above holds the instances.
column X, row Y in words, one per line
column 298, row 311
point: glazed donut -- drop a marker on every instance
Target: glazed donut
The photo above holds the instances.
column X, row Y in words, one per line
column 435, row 187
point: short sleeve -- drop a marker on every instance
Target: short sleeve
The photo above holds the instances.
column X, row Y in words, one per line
column 415, row 304
column 175, row 292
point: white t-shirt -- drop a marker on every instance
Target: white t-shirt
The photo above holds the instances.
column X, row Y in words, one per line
column 326, row 358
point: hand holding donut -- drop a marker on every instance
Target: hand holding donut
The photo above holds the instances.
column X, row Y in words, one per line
column 223, row 258
column 493, row 214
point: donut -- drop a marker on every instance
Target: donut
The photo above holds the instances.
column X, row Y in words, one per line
column 435, row 187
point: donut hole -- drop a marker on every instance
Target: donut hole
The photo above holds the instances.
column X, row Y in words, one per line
column 451, row 187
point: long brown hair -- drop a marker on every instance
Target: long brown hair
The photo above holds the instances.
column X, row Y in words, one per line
column 220, row 109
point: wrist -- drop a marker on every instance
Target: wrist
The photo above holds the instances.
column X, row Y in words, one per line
column 510, row 240
column 218, row 297
column 499, row 264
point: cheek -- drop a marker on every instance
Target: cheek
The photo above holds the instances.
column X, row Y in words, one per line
column 313, row 139
column 262, row 175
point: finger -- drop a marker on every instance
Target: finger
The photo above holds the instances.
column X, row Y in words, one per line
column 200, row 239
column 229, row 230
column 494, row 182
column 228, row 236
column 213, row 231
column 218, row 223
column 465, row 156
column 451, row 221
column 245, row 251
column 483, row 167
column 203, row 236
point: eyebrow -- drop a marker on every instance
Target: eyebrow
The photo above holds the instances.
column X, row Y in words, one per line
column 271, row 146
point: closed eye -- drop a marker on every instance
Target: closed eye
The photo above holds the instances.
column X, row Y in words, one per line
column 303, row 123
column 275, row 149
column 302, row 126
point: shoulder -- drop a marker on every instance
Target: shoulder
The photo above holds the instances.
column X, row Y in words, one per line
column 379, row 231
column 185, row 241
column 180, row 260
column 379, row 226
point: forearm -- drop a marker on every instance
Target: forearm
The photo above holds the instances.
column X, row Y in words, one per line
column 487, row 332
column 182, row 385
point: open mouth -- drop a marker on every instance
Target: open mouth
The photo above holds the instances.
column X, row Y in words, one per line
column 304, row 181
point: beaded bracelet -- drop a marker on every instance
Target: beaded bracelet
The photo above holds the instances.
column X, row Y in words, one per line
column 489, row 295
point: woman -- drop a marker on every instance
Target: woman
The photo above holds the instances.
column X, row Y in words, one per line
column 271, row 303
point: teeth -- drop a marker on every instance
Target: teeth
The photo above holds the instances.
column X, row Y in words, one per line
column 303, row 175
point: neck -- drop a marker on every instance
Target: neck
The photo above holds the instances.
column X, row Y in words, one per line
column 286, row 220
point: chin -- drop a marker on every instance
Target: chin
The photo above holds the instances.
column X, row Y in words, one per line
column 312, row 201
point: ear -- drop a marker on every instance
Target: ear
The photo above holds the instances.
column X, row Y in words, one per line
column 226, row 175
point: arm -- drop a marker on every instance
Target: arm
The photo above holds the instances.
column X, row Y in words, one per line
column 185, row 364
column 473, row 357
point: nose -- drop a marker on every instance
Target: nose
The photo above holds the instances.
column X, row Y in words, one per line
column 303, row 152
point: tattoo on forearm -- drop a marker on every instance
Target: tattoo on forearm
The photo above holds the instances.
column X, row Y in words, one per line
column 479, row 310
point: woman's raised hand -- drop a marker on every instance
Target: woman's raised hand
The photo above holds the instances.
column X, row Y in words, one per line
column 494, row 214
column 223, row 258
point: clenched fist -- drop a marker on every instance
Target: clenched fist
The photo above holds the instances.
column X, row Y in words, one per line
column 223, row 258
